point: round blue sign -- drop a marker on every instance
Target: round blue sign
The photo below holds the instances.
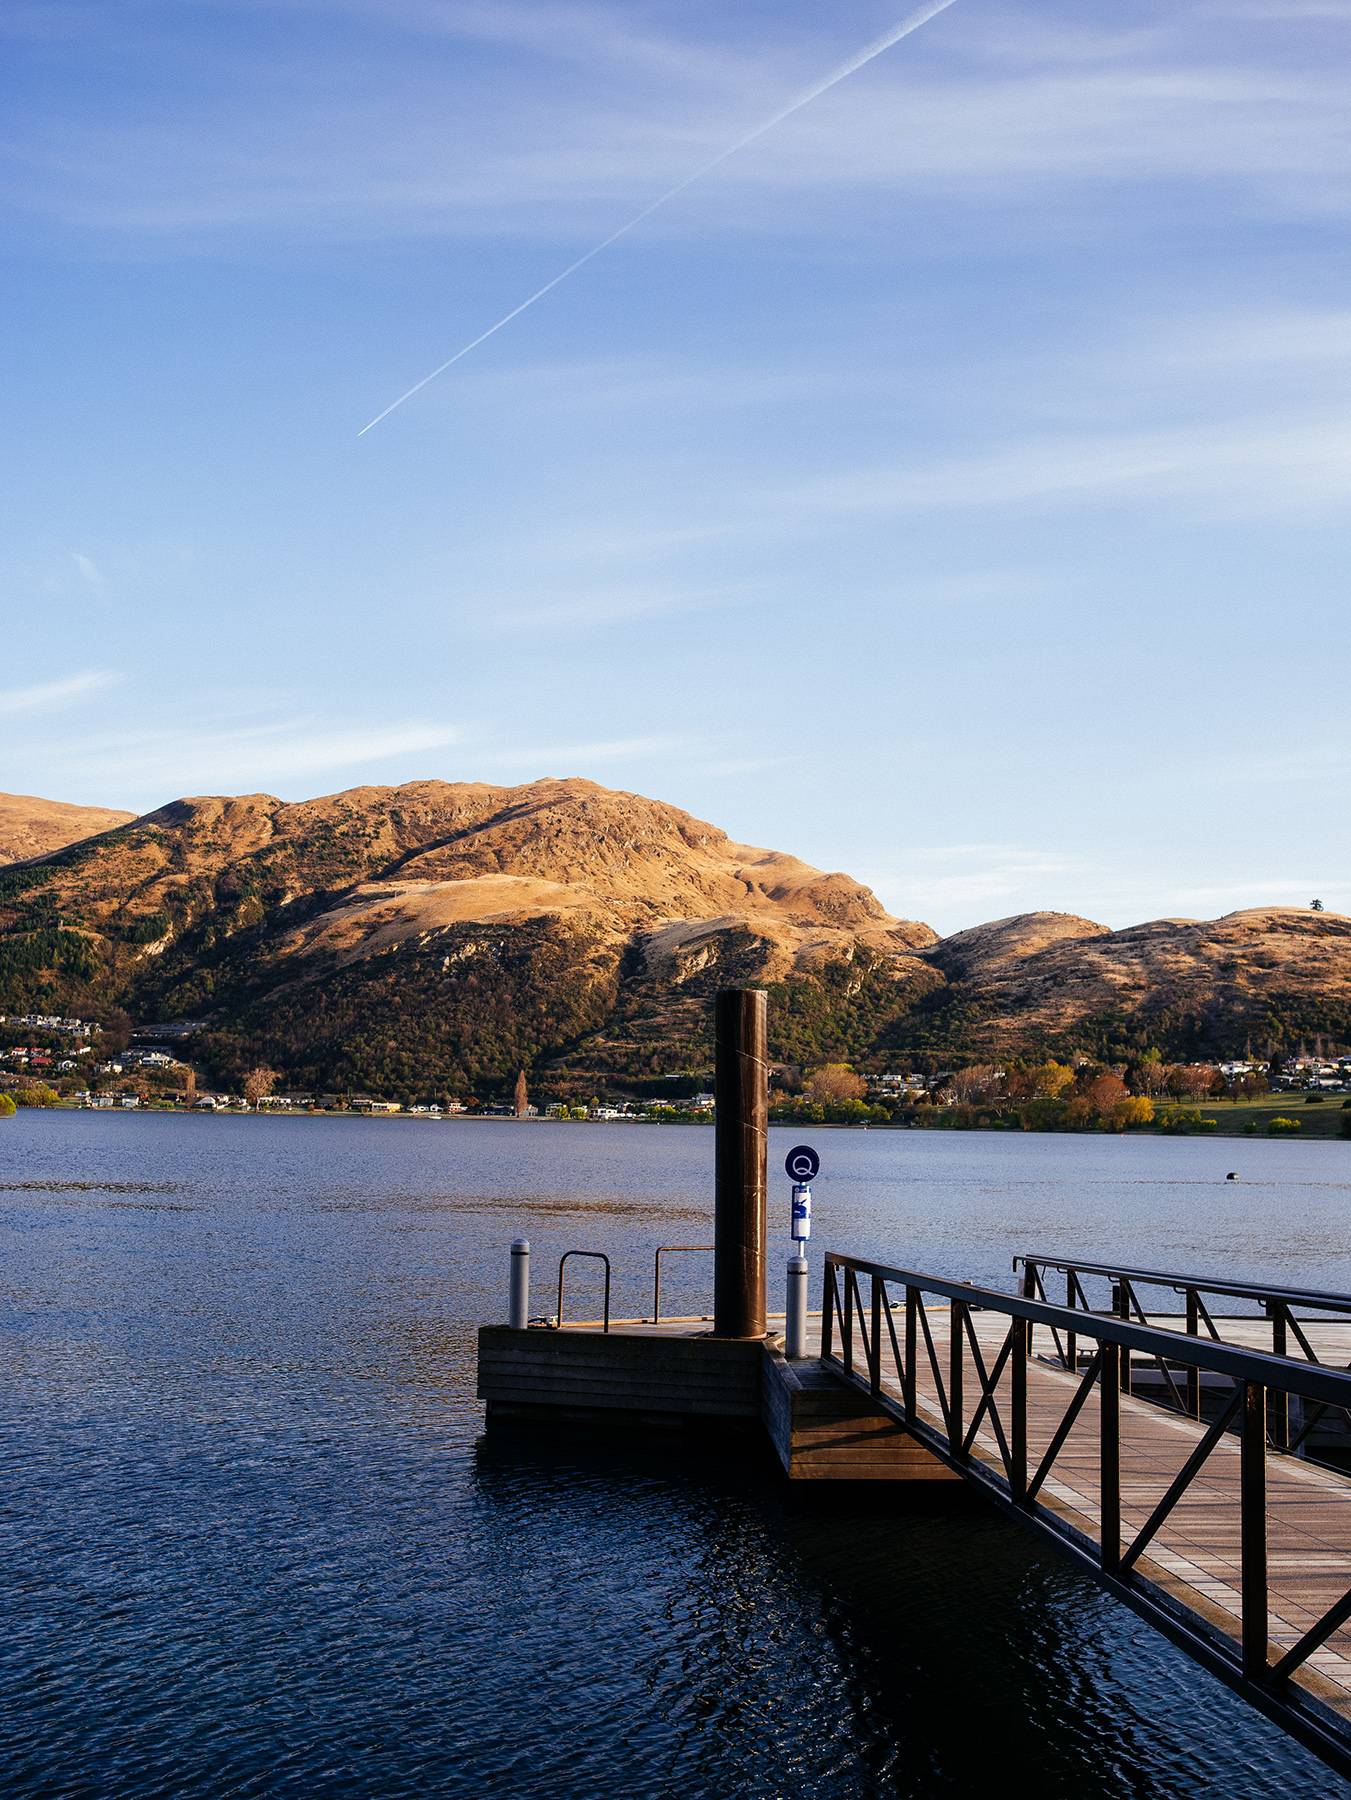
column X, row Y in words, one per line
column 802, row 1163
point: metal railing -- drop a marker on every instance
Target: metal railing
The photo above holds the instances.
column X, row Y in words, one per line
column 669, row 1250
column 1287, row 1430
column 596, row 1255
column 927, row 1393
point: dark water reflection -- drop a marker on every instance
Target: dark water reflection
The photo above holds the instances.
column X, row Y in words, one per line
column 252, row 1543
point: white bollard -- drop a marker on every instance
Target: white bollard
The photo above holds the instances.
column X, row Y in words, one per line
column 795, row 1328
column 519, row 1314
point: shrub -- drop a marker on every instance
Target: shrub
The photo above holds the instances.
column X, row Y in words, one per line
column 1128, row 1113
column 1043, row 1114
column 1185, row 1119
column 1280, row 1126
column 1314, row 1099
column 36, row 1094
column 8, row 1108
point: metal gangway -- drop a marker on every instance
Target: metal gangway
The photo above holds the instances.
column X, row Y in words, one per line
column 1170, row 1459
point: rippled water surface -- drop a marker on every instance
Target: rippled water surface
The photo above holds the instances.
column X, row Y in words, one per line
column 252, row 1541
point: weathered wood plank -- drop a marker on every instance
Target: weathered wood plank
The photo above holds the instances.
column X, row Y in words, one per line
column 1195, row 1558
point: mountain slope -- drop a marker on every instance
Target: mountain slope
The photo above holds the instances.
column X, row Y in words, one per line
column 1200, row 986
column 434, row 937
column 436, row 933
column 33, row 827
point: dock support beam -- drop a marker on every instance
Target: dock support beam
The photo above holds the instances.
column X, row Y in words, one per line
column 740, row 1230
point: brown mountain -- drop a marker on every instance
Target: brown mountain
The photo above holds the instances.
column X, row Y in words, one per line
column 436, row 934
column 1202, row 985
column 31, row 827
column 435, row 937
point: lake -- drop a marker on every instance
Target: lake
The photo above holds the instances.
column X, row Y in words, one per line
column 253, row 1543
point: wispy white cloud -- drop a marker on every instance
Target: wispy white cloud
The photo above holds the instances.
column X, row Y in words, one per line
column 1257, row 891
column 987, row 111
column 1278, row 12
column 1264, row 465
column 624, row 541
column 176, row 759
column 50, row 696
column 955, row 886
column 593, row 608
column 977, row 881
column 558, row 33
column 1244, row 342
column 1313, row 762
column 646, row 384
column 577, row 759
column 151, row 766
column 729, row 766
column 89, row 570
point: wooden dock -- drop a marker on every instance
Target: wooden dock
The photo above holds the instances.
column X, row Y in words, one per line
column 942, row 1410
column 676, row 1375
column 1195, row 1562
column 1191, row 1504
column 1194, row 1499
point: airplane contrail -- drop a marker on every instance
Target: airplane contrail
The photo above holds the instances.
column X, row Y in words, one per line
column 911, row 23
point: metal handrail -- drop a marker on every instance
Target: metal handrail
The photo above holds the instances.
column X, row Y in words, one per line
column 947, row 1420
column 668, row 1250
column 1277, row 1303
column 1233, row 1290
column 1309, row 1381
column 599, row 1256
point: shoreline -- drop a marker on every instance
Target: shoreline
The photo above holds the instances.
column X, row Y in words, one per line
column 1217, row 1133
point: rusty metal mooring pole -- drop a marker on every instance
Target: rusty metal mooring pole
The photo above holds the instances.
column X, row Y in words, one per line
column 740, row 1206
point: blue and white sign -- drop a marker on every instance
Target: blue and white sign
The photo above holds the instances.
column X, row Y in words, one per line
column 801, row 1228
column 802, row 1163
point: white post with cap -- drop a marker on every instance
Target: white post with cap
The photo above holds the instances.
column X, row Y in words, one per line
column 518, row 1312
column 795, row 1327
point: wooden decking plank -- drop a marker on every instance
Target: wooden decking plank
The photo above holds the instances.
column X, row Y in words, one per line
column 1195, row 1557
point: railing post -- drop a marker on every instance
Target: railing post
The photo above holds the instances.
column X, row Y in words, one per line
column 1071, row 1337
column 1018, row 1424
column 1029, row 1293
column 1109, row 1456
column 1278, row 1401
column 875, row 1338
column 911, row 1348
column 1193, row 1373
column 1121, row 1306
column 1253, row 1529
column 828, row 1295
column 956, row 1318
column 847, row 1331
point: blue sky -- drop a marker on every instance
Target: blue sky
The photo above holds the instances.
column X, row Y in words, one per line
column 951, row 489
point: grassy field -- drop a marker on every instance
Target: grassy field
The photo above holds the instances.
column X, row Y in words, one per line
column 1322, row 1120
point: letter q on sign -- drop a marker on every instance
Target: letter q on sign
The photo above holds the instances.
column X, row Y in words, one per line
column 802, row 1163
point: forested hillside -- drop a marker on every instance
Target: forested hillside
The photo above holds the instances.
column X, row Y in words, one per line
column 423, row 940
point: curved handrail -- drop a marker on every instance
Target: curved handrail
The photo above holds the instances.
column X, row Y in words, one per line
column 599, row 1256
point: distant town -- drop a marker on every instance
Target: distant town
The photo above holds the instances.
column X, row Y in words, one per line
column 47, row 1060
